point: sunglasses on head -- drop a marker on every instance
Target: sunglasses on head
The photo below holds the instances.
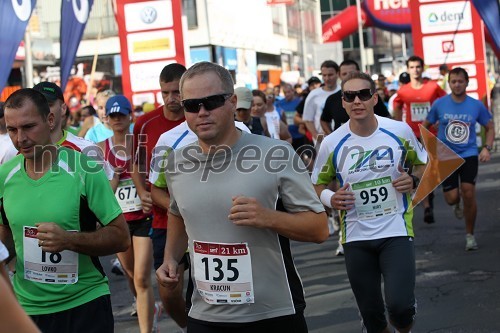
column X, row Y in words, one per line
column 363, row 95
column 209, row 103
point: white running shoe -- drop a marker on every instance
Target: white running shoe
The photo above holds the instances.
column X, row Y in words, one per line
column 116, row 267
column 470, row 243
column 458, row 210
column 156, row 316
column 339, row 251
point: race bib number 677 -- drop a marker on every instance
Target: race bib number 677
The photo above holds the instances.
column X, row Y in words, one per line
column 223, row 273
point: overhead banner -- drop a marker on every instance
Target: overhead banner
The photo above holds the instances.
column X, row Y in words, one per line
column 451, row 32
column 15, row 18
column 74, row 17
column 150, row 38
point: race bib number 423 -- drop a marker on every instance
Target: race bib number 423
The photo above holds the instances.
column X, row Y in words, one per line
column 223, row 273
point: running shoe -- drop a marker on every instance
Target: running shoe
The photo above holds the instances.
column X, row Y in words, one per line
column 458, row 210
column 429, row 215
column 133, row 313
column 340, row 251
column 116, row 267
column 470, row 243
column 156, row 317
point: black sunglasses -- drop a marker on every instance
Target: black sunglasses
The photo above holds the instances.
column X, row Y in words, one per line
column 209, row 103
column 363, row 95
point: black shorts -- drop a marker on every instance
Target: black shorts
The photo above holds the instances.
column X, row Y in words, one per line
column 95, row 316
column 467, row 173
column 159, row 238
column 286, row 324
column 140, row 228
column 393, row 259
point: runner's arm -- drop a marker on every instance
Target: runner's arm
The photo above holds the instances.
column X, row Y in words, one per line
column 160, row 197
column 285, row 133
column 139, row 180
column 485, row 155
column 109, row 239
column 398, row 111
column 326, row 127
column 12, row 316
column 177, row 243
column 306, row 226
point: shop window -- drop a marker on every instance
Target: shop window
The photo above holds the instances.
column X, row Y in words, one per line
column 189, row 9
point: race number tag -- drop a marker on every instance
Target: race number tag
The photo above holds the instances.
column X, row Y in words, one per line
column 223, row 273
column 419, row 111
column 46, row 267
column 375, row 198
column 127, row 197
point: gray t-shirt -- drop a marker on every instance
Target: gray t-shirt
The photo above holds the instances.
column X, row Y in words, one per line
column 201, row 188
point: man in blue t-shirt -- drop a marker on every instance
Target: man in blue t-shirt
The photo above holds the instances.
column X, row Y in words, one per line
column 457, row 115
column 288, row 106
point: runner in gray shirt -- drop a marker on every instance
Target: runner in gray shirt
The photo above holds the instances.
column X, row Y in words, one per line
column 224, row 190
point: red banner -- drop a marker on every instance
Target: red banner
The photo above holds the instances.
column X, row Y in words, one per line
column 342, row 25
column 451, row 32
column 280, row 2
column 150, row 38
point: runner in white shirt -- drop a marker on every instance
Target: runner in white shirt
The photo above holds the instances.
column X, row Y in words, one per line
column 367, row 156
column 315, row 101
column 7, row 149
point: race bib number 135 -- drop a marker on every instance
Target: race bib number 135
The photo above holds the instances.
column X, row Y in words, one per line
column 223, row 273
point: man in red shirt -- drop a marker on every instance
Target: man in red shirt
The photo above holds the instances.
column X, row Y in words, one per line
column 147, row 130
column 416, row 99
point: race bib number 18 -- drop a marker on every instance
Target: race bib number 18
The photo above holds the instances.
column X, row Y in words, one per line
column 223, row 273
column 47, row 267
column 375, row 198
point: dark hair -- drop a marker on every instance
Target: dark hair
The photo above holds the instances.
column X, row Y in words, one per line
column 1, row 109
column 361, row 76
column 172, row 72
column 458, row 70
column 260, row 94
column 18, row 99
column 330, row 64
column 349, row 62
column 90, row 108
column 443, row 67
column 414, row 58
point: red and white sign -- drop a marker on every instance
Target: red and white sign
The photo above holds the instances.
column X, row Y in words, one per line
column 451, row 32
column 151, row 37
column 280, row 2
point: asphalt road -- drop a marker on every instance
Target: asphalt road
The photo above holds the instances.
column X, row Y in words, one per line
column 457, row 291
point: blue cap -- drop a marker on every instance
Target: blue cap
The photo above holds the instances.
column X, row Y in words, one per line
column 118, row 103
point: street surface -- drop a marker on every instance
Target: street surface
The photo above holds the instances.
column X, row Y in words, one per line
column 457, row 291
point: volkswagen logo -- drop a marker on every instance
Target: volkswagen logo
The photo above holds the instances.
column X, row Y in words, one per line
column 148, row 15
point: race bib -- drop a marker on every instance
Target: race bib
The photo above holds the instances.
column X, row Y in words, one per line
column 46, row 267
column 375, row 198
column 127, row 197
column 419, row 111
column 223, row 273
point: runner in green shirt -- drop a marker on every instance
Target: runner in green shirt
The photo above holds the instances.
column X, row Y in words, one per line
column 50, row 200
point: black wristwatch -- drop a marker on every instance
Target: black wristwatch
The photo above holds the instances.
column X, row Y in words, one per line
column 416, row 181
column 488, row 147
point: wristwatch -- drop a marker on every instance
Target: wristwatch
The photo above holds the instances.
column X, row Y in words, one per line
column 416, row 181
column 488, row 147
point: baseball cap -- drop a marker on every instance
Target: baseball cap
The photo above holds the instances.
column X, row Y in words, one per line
column 313, row 79
column 404, row 78
column 50, row 90
column 118, row 104
column 244, row 98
